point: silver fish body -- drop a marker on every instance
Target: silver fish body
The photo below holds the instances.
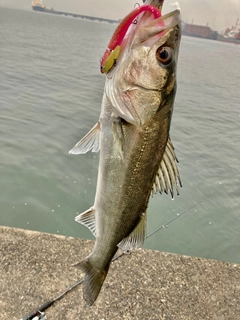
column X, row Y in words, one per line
column 136, row 154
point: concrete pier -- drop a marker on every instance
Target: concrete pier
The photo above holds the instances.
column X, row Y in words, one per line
column 36, row 267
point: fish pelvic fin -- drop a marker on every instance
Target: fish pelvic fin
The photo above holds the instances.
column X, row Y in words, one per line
column 93, row 280
column 91, row 141
column 167, row 177
column 136, row 237
column 87, row 219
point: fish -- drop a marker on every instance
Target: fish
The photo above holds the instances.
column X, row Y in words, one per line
column 137, row 157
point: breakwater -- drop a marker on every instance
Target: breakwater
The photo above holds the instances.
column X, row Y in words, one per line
column 36, row 267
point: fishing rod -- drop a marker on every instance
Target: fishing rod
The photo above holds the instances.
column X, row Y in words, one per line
column 38, row 313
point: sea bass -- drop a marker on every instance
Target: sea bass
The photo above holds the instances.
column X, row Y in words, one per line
column 137, row 157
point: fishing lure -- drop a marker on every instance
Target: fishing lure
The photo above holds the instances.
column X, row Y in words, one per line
column 114, row 47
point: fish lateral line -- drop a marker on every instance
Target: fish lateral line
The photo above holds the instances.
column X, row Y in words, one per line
column 113, row 51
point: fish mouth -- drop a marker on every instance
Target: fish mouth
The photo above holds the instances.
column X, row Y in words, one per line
column 170, row 19
column 156, row 3
column 158, row 27
column 159, row 4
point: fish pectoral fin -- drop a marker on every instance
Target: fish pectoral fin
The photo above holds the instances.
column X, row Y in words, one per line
column 87, row 219
column 93, row 280
column 136, row 237
column 91, row 141
column 168, row 175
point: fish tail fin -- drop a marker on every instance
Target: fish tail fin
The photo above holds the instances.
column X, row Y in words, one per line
column 93, row 280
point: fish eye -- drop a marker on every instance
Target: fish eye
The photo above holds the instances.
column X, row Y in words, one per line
column 164, row 55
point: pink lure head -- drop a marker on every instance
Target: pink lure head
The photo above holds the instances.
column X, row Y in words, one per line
column 108, row 60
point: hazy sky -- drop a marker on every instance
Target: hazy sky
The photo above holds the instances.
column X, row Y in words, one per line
column 219, row 14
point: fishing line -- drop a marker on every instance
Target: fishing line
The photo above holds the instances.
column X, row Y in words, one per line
column 180, row 214
column 38, row 313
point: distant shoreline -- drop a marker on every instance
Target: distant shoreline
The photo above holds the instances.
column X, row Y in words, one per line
column 61, row 13
column 74, row 15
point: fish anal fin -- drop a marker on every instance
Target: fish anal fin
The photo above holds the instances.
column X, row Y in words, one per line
column 87, row 219
column 91, row 141
column 168, row 176
column 93, row 280
column 136, row 237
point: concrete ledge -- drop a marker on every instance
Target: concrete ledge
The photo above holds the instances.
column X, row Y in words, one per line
column 36, row 267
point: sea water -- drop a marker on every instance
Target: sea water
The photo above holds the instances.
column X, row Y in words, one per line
column 50, row 96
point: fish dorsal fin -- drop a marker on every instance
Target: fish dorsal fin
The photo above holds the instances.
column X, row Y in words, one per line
column 136, row 237
column 87, row 219
column 168, row 175
column 91, row 141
